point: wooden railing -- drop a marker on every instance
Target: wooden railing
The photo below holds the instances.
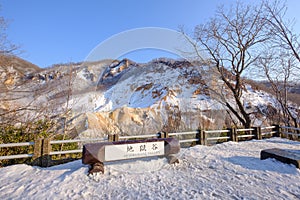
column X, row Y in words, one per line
column 291, row 133
column 43, row 147
column 81, row 141
column 22, row 144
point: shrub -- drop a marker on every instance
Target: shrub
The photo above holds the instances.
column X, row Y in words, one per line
column 27, row 133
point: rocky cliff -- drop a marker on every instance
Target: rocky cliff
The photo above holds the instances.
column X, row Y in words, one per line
column 128, row 98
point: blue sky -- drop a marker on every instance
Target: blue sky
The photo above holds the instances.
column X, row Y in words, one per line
column 61, row 31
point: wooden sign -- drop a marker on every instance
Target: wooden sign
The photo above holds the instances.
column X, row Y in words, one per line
column 96, row 154
column 134, row 150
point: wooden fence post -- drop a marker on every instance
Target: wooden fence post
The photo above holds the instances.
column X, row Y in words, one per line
column 113, row 137
column 233, row 134
column 201, row 137
column 257, row 133
column 116, row 137
column 46, row 149
column 277, row 130
column 166, row 134
column 160, row 134
column 37, row 151
column 198, row 136
column 204, row 137
column 110, row 137
column 163, row 134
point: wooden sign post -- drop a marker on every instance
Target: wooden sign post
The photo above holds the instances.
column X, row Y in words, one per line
column 96, row 154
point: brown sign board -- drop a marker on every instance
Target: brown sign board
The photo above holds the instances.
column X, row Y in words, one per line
column 120, row 150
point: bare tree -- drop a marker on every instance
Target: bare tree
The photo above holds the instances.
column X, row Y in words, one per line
column 16, row 114
column 281, row 59
column 282, row 29
column 230, row 44
column 6, row 47
column 278, row 67
column 66, row 113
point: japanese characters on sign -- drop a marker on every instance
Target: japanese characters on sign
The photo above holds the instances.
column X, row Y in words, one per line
column 134, row 150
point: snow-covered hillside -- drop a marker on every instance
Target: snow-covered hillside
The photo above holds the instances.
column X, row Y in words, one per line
column 125, row 97
column 224, row 171
column 165, row 95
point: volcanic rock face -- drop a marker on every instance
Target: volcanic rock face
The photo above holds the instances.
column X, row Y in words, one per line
column 109, row 96
column 147, row 98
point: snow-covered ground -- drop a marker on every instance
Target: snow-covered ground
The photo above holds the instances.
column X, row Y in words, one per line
column 224, row 171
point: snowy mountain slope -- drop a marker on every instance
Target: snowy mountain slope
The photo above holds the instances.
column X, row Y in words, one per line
column 166, row 95
column 153, row 96
column 224, row 171
column 148, row 85
column 125, row 97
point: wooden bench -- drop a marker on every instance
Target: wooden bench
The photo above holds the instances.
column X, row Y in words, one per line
column 288, row 156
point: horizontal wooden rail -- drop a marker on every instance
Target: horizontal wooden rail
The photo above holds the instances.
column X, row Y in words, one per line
column 244, row 129
column 268, row 127
column 138, row 136
column 65, row 152
column 188, row 140
column 218, row 138
column 183, row 133
column 217, row 131
column 21, row 144
column 289, row 133
column 243, row 136
column 76, row 140
column 268, row 133
column 16, row 156
column 291, row 128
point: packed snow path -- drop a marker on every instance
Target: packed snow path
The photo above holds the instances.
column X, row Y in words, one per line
column 224, row 171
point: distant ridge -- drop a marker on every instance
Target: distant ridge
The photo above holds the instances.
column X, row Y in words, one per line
column 20, row 65
column 13, row 70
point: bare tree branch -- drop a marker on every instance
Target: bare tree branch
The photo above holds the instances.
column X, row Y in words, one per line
column 231, row 40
